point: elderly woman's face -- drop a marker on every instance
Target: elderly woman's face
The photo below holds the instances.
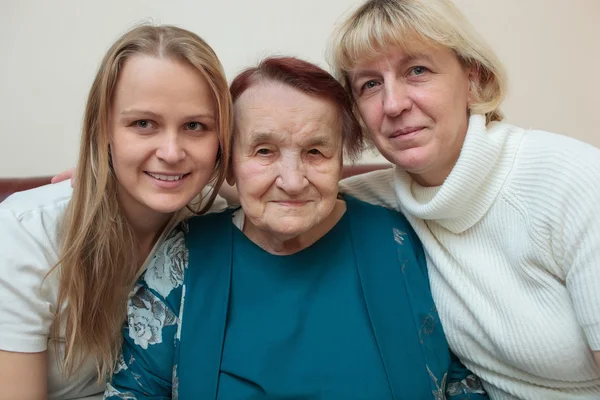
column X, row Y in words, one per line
column 416, row 108
column 287, row 158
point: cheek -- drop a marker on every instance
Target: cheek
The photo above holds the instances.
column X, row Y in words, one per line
column 127, row 153
column 442, row 102
column 203, row 151
column 325, row 179
column 371, row 112
column 253, row 180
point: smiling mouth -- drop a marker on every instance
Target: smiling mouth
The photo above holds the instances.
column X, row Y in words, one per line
column 167, row 178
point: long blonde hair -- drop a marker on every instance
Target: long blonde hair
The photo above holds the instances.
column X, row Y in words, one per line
column 99, row 258
column 379, row 25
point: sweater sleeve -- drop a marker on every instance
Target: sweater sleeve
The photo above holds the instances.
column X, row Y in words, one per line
column 578, row 240
column 375, row 187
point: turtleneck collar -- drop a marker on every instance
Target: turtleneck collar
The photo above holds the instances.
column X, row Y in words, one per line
column 485, row 161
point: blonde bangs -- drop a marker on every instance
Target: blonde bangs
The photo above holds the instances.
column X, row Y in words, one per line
column 378, row 26
column 373, row 35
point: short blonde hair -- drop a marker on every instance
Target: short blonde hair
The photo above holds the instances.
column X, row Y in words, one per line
column 381, row 24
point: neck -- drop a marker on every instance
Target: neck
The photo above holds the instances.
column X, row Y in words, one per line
column 146, row 237
column 146, row 226
column 435, row 178
column 285, row 244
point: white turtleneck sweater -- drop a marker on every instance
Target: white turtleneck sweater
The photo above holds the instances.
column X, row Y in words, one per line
column 513, row 246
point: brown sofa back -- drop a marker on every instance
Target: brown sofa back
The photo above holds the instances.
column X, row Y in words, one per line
column 9, row 186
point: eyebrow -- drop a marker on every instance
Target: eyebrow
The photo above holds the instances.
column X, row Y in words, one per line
column 318, row 140
column 258, row 137
column 146, row 113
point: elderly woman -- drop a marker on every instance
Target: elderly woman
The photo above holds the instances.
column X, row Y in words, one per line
column 299, row 294
column 509, row 217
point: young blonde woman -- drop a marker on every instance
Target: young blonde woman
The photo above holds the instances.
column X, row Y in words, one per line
column 155, row 135
column 509, row 217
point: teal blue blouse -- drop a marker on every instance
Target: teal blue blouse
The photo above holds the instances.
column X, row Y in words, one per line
column 298, row 326
column 350, row 317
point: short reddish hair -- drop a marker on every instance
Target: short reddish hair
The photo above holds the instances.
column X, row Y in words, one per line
column 310, row 79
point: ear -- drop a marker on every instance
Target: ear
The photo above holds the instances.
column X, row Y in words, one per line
column 474, row 78
column 230, row 178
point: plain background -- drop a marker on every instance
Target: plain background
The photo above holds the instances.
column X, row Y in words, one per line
column 50, row 51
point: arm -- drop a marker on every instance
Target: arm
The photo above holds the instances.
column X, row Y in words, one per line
column 26, row 310
column 145, row 368
column 375, row 187
column 462, row 383
column 23, row 376
column 581, row 258
column 575, row 240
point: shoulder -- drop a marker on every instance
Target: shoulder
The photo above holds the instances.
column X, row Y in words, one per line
column 374, row 217
column 382, row 177
column 51, row 198
column 165, row 272
column 376, row 187
column 209, row 220
column 358, row 206
column 560, row 153
column 555, row 186
column 551, row 164
column 31, row 218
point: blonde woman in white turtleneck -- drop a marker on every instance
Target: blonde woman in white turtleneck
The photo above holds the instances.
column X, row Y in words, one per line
column 510, row 218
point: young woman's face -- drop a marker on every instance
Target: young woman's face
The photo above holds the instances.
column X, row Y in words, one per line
column 163, row 139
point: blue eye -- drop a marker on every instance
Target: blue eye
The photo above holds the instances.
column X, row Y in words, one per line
column 195, row 126
column 419, row 70
column 143, row 124
column 369, row 84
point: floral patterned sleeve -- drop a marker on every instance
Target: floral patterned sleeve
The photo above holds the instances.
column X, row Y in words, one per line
column 146, row 366
column 462, row 383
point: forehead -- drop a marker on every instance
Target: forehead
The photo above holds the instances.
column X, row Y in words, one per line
column 275, row 108
column 401, row 55
column 148, row 81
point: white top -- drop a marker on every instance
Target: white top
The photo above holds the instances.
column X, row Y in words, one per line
column 513, row 246
column 28, row 250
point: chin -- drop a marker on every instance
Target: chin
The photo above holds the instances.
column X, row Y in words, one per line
column 291, row 229
column 167, row 207
column 414, row 160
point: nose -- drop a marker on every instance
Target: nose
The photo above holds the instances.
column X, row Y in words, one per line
column 170, row 149
column 395, row 99
column 292, row 177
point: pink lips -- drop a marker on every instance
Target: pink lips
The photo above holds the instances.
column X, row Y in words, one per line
column 405, row 131
column 167, row 184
